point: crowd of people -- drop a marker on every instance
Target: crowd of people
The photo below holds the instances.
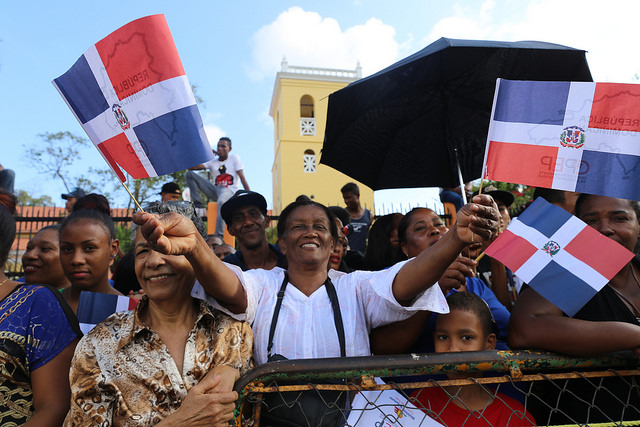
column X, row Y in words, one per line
column 338, row 283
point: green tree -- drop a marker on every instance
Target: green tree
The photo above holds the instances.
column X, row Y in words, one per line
column 25, row 199
column 61, row 150
column 521, row 193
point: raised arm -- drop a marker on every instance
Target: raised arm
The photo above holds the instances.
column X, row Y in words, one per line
column 243, row 180
column 175, row 234
column 197, row 168
column 477, row 221
column 537, row 324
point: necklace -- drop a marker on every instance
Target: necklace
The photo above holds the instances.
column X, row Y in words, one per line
column 4, row 281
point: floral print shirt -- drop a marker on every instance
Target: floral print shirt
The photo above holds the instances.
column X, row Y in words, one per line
column 122, row 374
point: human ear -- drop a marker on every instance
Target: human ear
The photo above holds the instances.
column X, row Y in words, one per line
column 115, row 247
column 282, row 247
column 403, row 248
column 490, row 342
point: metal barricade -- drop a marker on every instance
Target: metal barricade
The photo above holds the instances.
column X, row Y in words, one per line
column 554, row 389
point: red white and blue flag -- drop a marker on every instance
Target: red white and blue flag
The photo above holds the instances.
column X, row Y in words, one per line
column 131, row 95
column 94, row 307
column 573, row 136
column 558, row 255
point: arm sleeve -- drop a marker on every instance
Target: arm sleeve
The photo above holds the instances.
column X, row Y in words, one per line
column 51, row 329
column 238, row 163
column 87, row 384
column 253, row 282
column 381, row 306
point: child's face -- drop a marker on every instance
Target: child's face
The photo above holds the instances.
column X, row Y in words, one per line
column 461, row 330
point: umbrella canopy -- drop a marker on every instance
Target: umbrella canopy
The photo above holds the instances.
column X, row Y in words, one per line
column 405, row 125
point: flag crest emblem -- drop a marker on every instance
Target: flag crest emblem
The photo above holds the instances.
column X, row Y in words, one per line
column 121, row 117
column 572, row 137
column 551, row 247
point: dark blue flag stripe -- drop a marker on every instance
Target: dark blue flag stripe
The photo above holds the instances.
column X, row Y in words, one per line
column 531, row 102
column 172, row 136
column 616, row 175
column 79, row 87
column 94, row 307
column 544, row 217
column 564, row 290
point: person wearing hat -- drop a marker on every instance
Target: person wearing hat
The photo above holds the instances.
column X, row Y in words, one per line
column 245, row 214
column 170, row 192
column 72, row 198
column 491, row 271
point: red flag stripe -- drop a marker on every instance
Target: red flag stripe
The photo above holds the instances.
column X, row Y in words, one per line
column 139, row 55
column 521, row 163
column 606, row 259
column 511, row 249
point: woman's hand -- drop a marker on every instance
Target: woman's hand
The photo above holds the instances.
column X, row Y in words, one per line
column 456, row 275
column 478, row 221
column 204, row 406
column 169, row 233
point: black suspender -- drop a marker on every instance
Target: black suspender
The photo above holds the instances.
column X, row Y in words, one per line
column 337, row 316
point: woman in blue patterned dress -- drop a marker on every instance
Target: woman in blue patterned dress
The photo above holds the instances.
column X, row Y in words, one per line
column 38, row 334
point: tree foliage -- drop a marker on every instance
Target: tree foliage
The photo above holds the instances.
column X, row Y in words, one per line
column 61, row 151
column 25, row 199
column 522, row 193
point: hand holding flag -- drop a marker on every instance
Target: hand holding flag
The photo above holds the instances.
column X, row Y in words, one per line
column 558, row 255
column 131, row 95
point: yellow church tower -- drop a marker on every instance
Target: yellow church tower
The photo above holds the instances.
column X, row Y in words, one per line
column 299, row 112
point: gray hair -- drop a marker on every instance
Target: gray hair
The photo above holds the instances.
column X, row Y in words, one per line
column 180, row 207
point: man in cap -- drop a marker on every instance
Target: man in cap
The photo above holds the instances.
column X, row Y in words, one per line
column 491, row 271
column 245, row 214
column 170, row 192
column 72, row 198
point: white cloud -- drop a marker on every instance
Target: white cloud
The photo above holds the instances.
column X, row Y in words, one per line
column 608, row 31
column 214, row 133
column 307, row 39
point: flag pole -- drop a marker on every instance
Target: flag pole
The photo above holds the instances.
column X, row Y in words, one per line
column 462, row 192
column 132, row 198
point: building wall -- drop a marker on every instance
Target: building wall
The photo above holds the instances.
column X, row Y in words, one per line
column 289, row 177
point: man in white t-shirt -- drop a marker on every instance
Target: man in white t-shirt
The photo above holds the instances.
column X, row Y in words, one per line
column 226, row 170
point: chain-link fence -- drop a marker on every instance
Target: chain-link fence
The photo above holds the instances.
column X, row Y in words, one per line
column 513, row 388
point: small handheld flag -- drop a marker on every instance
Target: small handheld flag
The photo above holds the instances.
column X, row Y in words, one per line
column 573, row 136
column 94, row 307
column 131, row 96
column 558, row 255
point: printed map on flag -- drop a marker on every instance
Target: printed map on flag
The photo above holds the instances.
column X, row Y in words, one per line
column 131, row 95
column 558, row 255
column 573, row 136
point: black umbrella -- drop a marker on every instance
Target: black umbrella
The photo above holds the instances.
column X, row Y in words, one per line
column 405, row 125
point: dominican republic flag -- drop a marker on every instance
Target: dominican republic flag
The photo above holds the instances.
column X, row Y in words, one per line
column 573, row 136
column 132, row 97
column 558, row 255
column 94, row 307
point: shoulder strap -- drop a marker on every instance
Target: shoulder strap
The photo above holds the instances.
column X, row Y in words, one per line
column 335, row 305
column 337, row 316
column 276, row 312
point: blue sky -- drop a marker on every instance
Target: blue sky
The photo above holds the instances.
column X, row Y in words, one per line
column 232, row 51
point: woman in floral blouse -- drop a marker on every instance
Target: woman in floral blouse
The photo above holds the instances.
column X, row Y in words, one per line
column 171, row 361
